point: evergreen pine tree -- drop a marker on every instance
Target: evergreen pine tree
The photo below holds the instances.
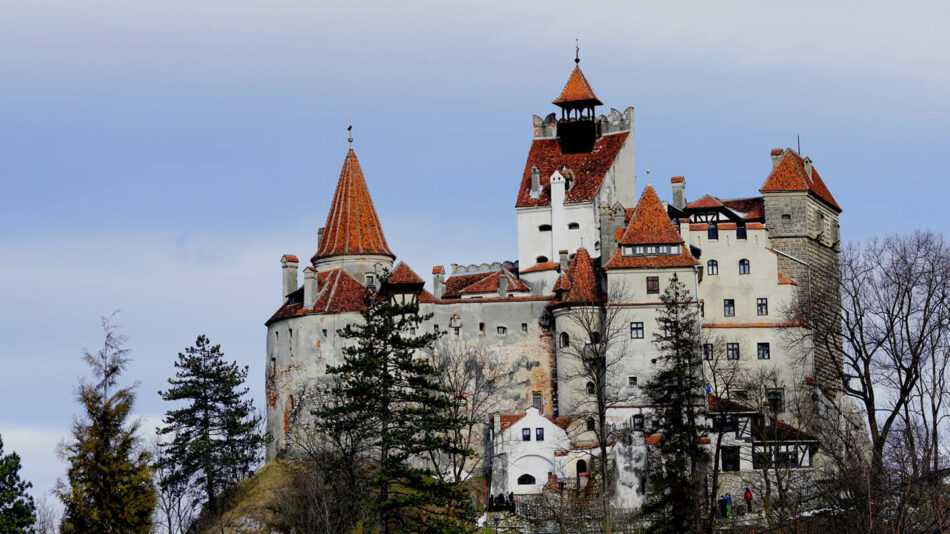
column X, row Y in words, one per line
column 390, row 398
column 215, row 440
column 17, row 511
column 108, row 484
column 677, row 394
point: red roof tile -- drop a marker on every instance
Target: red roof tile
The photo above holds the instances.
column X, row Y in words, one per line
column 748, row 208
column 707, row 201
column 563, row 422
column 678, row 180
column 545, row 266
column 790, row 175
column 290, row 258
column 589, row 169
column 684, row 259
column 456, row 283
column 562, row 284
column 653, row 440
column 352, row 226
column 490, row 283
column 438, row 269
column 577, row 91
column 508, row 419
column 783, row 279
column 338, row 293
column 650, row 224
column 402, row 274
column 584, row 285
column 719, row 405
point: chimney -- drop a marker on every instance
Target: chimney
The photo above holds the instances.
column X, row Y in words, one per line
column 288, row 267
column 563, row 260
column 438, row 281
column 503, row 284
column 311, row 287
column 776, row 156
column 535, row 182
column 320, row 237
column 679, row 192
column 808, row 167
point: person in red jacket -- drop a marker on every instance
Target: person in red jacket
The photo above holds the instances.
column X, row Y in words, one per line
column 748, row 500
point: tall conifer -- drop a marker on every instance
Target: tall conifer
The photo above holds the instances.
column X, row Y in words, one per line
column 215, row 441
column 17, row 511
column 677, row 394
column 108, row 485
column 392, row 399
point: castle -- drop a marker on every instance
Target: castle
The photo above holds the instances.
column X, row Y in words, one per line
column 586, row 241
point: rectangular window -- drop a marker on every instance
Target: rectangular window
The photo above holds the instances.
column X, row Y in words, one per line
column 525, row 434
column 628, row 251
column 740, row 231
column 639, row 249
column 762, row 306
column 730, row 458
column 707, row 351
column 651, row 249
column 729, row 307
column 290, row 342
column 636, row 330
column 631, row 380
column 712, row 231
column 412, row 330
column 763, row 351
column 481, row 329
column 776, row 400
column 536, row 400
column 653, row 284
column 732, row 351
column 501, row 330
column 524, row 327
column 539, row 434
column 761, row 459
column 638, row 422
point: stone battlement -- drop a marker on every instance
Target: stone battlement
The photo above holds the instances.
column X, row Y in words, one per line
column 613, row 122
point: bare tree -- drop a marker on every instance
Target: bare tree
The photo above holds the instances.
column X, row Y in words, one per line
column 47, row 516
column 723, row 377
column 175, row 508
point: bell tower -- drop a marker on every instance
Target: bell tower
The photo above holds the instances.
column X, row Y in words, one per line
column 577, row 129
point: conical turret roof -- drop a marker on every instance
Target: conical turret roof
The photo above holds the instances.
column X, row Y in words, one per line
column 577, row 91
column 352, row 227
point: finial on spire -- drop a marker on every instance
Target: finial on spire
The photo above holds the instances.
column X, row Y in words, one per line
column 577, row 51
column 648, row 178
column 349, row 130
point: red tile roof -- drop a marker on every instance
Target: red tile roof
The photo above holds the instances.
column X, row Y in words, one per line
column 508, row 419
column 783, row 279
column 684, row 259
column 718, row 405
column 290, row 258
column 577, row 91
column 678, row 180
column 402, row 274
column 789, row 175
column 438, row 269
column 653, row 440
column 650, row 224
column 562, row 284
column 490, row 284
column 456, row 283
column 352, row 226
column 338, row 293
column 589, row 169
column 707, row 201
column 748, row 208
column 786, row 324
column 545, row 266
column 584, row 285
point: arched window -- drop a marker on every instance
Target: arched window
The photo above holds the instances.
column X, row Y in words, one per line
column 712, row 267
column 573, row 226
column 565, row 339
column 541, row 259
column 525, row 480
column 743, row 266
column 590, row 388
column 544, row 228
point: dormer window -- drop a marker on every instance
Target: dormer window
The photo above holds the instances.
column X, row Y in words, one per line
column 544, row 228
column 628, row 251
column 639, row 249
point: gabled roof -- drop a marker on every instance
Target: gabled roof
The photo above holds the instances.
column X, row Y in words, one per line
column 457, row 282
column 722, row 405
column 583, row 284
column 589, row 169
column 490, row 284
column 650, row 224
column 790, row 175
column 339, row 292
column 707, row 201
column 577, row 91
column 352, row 226
column 544, row 266
column 746, row 208
column 402, row 274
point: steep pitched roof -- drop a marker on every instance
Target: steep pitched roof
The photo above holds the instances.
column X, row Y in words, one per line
column 352, row 226
column 577, row 91
column 339, row 292
column 747, row 208
column 589, row 169
column 650, row 224
column 583, row 284
column 707, row 201
column 402, row 274
column 790, row 175
column 544, row 266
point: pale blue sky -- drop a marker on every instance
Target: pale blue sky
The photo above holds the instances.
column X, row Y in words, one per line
column 159, row 156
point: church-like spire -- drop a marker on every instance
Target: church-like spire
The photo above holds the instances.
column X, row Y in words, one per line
column 352, row 226
column 577, row 93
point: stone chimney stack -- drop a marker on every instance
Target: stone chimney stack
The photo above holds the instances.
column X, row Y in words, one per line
column 438, row 281
column 679, row 192
column 535, row 182
column 311, row 286
column 562, row 256
column 288, row 267
column 776, row 156
column 808, row 167
column 503, row 284
column 320, row 237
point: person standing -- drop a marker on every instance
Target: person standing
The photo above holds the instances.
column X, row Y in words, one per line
column 748, row 500
column 722, row 506
column 728, row 505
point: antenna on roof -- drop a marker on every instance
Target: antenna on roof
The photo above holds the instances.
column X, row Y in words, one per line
column 349, row 130
column 577, row 51
column 798, row 137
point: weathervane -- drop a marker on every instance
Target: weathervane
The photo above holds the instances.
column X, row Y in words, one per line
column 349, row 130
column 577, row 51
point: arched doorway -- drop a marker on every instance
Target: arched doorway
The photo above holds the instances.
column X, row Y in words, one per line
column 581, row 466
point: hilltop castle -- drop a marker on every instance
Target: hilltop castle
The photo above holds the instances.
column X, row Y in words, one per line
column 586, row 240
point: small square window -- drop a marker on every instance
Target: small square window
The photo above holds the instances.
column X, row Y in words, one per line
column 525, row 434
column 707, row 351
column 729, row 307
column 651, row 249
column 481, row 329
column 639, row 249
column 435, row 328
column 631, row 380
column 653, row 284
column 501, row 330
column 324, row 332
column 762, row 306
column 524, row 327
column 636, row 330
column 732, row 351
column 539, row 434
column 763, row 351
column 638, row 422
column 412, row 330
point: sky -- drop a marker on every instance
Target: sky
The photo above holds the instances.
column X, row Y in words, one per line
column 158, row 157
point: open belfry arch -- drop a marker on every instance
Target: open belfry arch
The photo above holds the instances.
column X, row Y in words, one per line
column 587, row 240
